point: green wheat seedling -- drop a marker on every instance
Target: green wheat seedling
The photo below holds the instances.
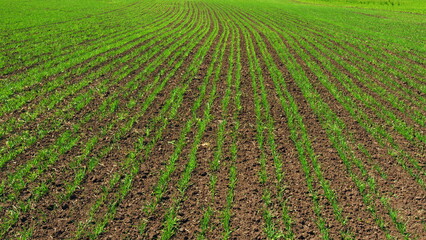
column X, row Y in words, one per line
column 218, row 155
column 156, row 138
column 123, row 74
column 146, row 104
column 171, row 219
column 130, row 164
column 126, row 188
column 385, row 84
column 334, row 129
column 160, row 187
column 233, row 171
column 266, row 124
column 360, row 47
column 43, row 131
column 110, row 49
column 276, row 156
column 60, row 42
column 29, row 116
column 91, row 90
column 382, row 137
column 111, row 107
column 22, row 40
column 111, row 212
column 329, row 193
column 394, row 99
column 401, row 127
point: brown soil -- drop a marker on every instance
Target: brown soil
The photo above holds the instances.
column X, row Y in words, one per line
column 193, row 207
column 44, row 120
column 396, row 176
column 51, row 217
column 389, row 186
column 63, row 175
column 110, row 164
column 332, row 167
column 75, row 78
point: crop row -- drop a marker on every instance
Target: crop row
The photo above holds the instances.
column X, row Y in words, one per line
column 114, row 122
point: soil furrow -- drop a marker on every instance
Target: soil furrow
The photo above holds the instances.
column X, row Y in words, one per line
column 402, row 92
column 347, row 188
column 322, row 31
column 211, row 119
column 413, row 149
column 198, row 196
column 331, row 164
column 168, row 201
column 72, row 74
column 46, row 118
column 247, row 219
column 385, row 105
column 395, row 185
column 99, row 173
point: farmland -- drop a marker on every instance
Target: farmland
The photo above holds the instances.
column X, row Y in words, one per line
column 212, row 119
